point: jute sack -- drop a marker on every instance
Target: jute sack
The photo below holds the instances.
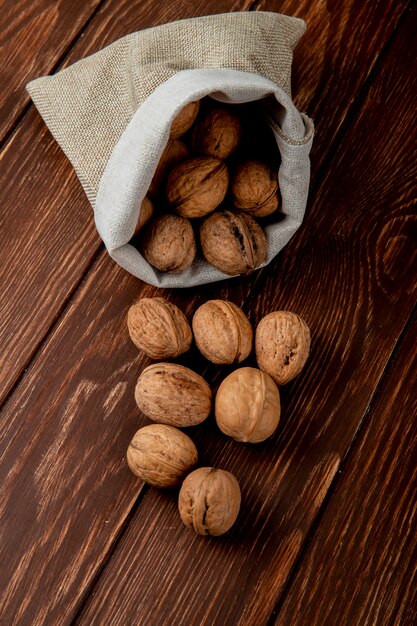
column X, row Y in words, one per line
column 111, row 114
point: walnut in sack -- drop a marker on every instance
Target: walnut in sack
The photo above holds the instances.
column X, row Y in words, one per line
column 145, row 215
column 159, row 328
column 247, row 405
column 282, row 345
column 222, row 332
column 168, row 243
column 197, row 186
column 184, row 120
column 233, row 242
column 161, row 455
column 217, row 133
column 175, row 152
column 255, row 188
column 173, row 394
column 209, row 501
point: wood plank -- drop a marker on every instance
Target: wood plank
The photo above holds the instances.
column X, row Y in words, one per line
column 33, row 37
column 63, row 469
column 360, row 566
column 351, row 275
column 51, row 238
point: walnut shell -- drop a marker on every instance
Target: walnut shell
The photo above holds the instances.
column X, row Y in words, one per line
column 161, row 455
column 222, row 332
column 184, row 120
column 159, row 328
column 217, row 133
column 247, row 405
column 233, row 242
column 168, row 243
column 282, row 345
column 175, row 152
column 145, row 215
column 173, row 394
column 197, row 186
column 209, row 501
column 255, row 188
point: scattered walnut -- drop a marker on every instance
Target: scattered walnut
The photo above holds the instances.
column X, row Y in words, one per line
column 159, row 328
column 184, row 119
column 255, row 188
column 168, row 243
column 175, row 152
column 145, row 214
column 161, row 455
column 209, row 501
column 173, row 394
column 217, row 133
column 197, row 186
column 233, row 242
column 222, row 332
column 282, row 345
column 247, row 405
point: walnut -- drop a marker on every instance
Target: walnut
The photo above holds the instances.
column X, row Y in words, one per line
column 173, row 394
column 168, row 243
column 217, row 133
column 209, row 501
column 184, row 119
column 197, row 186
column 175, row 152
column 255, row 188
column 222, row 332
column 161, row 455
column 233, row 242
column 159, row 328
column 145, row 214
column 247, row 405
column 282, row 345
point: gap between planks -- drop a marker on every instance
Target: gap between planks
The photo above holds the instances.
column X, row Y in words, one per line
column 351, row 114
column 26, row 108
column 388, row 371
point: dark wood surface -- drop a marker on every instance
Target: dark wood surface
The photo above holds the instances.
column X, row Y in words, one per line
column 81, row 539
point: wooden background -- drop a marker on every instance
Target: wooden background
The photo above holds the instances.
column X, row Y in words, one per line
column 327, row 531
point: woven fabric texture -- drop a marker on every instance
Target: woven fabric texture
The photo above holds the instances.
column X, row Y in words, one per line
column 111, row 114
column 88, row 105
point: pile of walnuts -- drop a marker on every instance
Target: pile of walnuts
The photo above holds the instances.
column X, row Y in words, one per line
column 246, row 407
column 207, row 195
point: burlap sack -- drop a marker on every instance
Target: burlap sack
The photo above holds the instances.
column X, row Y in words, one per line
column 111, row 114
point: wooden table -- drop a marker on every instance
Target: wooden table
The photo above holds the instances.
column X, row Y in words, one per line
column 326, row 535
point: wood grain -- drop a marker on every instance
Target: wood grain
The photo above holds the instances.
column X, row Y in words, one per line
column 67, row 492
column 360, row 566
column 346, row 275
column 33, row 36
column 47, row 232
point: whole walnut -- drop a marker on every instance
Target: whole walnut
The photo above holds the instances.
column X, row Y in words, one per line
column 168, row 243
column 173, row 394
column 217, row 133
column 209, row 501
column 255, row 188
column 159, row 328
column 233, row 242
column 161, row 455
column 175, row 152
column 184, row 119
column 197, row 186
column 145, row 215
column 282, row 345
column 247, row 405
column 222, row 332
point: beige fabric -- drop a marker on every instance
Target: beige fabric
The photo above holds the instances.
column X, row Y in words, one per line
column 88, row 105
column 111, row 114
